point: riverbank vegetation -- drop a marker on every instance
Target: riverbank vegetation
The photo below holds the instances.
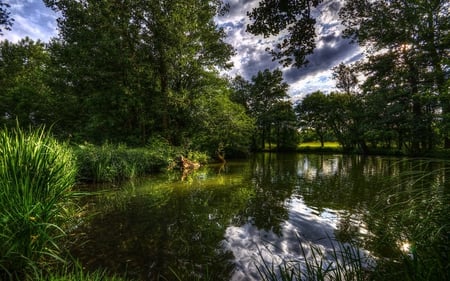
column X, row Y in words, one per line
column 129, row 86
column 114, row 163
column 126, row 87
column 37, row 175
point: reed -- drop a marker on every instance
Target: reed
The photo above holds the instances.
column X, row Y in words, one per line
column 78, row 274
column 36, row 177
column 417, row 225
column 111, row 163
column 343, row 262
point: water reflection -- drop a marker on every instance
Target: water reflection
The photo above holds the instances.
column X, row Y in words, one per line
column 225, row 221
column 252, row 246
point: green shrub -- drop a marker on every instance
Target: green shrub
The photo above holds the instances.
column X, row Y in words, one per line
column 36, row 176
column 200, row 157
column 109, row 163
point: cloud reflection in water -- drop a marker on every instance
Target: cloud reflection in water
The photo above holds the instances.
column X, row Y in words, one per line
column 250, row 245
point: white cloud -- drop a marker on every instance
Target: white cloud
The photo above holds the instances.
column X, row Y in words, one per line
column 251, row 55
column 32, row 19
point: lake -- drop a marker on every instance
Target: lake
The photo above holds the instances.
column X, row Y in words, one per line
column 229, row 222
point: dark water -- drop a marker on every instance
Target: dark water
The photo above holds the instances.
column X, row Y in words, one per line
column 220, row 222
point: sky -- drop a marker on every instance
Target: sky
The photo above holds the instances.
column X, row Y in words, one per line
column 33, row 19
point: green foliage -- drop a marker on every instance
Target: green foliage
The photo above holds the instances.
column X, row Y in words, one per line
column 129, row 69
column 345, row 77
column 198, row 156
column 293, row 22
column 406, row 81
column 5, row 18
column 109, row 162
column 24, row 94
column 36, row 177
column 340, row 114
column 312, row 114
column 266, row 100
column 222, row 126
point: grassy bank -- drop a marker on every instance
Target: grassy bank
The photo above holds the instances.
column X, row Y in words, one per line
column 316, row 147
column 109, row 163
column 112, row 162
column 335, row 147
column 36, row 178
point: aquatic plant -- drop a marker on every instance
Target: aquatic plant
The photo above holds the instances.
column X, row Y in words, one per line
column 110, row 162
column 78, row 274
column 409, row 234
column 342, row 262
column 36, row 176
column 412, row 219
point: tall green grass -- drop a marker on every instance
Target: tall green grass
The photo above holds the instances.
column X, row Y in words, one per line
column 36, row 176
column 77, row 274
column 110, row 162
column 117, row 162
column 415, row 223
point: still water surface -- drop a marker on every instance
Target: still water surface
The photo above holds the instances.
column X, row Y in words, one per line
column 221, row 222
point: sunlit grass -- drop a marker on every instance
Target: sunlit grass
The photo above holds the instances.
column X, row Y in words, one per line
column 36, row 177
column 317, row 144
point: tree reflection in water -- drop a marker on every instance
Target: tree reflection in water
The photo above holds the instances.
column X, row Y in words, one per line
column 223, row 222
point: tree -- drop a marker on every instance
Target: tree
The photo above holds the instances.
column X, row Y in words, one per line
column 98, row 67
column 266, row 91
column 345, row 78
column 312, row 113
column 342, row 114
column 414, row 34
column 285, row 125
column 240, row 91
column 5, row 17
column 222, row 127
column 24, row 95
column 266, row 101
column 143, row 61
column 293, row 21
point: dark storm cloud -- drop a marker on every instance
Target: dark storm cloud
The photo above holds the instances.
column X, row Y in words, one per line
column 252, row 56
column 335, row 50
column 257, row 62
column 331, row 47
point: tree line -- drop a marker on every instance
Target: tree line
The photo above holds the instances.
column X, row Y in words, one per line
column 402, row 99
column 126, row 71
column 129, row 71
